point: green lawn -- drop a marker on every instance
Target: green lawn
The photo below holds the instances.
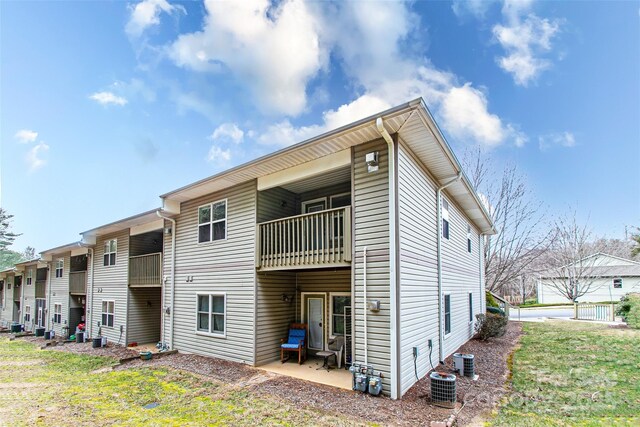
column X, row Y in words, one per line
column 40, row 387
column 574, row 374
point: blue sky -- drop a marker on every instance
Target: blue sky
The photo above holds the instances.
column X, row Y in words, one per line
column 106, row 105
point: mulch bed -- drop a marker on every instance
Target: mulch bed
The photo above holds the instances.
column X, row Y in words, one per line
column 110, row 350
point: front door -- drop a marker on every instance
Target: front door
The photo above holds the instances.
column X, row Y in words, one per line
column 40, row 304
column 314, row 311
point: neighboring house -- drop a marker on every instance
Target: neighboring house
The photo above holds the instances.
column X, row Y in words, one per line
column 11, row 296
column 125, row 284
column 607, row 278
column 33, row 295
column 66, row 289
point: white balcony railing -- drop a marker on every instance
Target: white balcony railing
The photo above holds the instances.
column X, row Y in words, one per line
column 145, row 270
column 319, row 239
column 78, row 282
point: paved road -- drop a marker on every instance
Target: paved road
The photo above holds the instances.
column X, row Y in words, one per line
column 538, row 313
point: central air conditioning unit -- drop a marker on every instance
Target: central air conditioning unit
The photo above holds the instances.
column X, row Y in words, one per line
column 443, row 389
column 464, row 364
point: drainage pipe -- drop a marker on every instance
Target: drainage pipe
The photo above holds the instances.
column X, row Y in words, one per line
column 439, row 258
column 173, row 278
column 90, row 304
column 364, row 304
column 393, row 252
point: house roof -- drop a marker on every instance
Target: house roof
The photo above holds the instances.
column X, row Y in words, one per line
column 59, row 249
column 412, row 122
column 34, row 261
column 624, row 268
column 112, row 227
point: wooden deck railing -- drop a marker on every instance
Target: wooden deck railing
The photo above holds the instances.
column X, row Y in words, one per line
column 601, row 312
column 145, row 270
column 319, row 239
column 78, row 282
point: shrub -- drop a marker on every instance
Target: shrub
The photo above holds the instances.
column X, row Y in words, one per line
column 490, row 325
column 491, row 301
column 629, row 309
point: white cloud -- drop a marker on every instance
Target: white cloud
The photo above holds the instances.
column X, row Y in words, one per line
column 147, row 14
column 559, row 139
column 476, row 8
column 218, row 155
column 25, row 136
column 274, row 50
column 228, row 132
column 108, row 98
column 34, row 156
column 526, row 38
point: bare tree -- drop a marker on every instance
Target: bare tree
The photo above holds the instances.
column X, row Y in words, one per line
column 635, row 239
column 522, row 234
column 572, row 260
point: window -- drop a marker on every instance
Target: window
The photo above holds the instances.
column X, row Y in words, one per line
column 468, row 238
column 315, row 205
column 212, row 222
column 29, row 276
column 445, row 219
column 338, row 302
column 211, row 317
column 110, row 251
column 57, row 313
column 59, row 267
column 27, row 313
column 470, row 307
column 447, row 314
column 340, row 200
column 108, row 313
column 617, row 283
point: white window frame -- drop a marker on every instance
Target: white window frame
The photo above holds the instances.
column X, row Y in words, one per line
column 102, row 313
column 444, row 314
column 348, row 193
column 209, row 333
column 310, row 202
column 107, row 251
column 29, row 277
column 331, row 295
column 212, row 221
column 613, row 282
column 57, row 313
column 469, row 244
column 445, row 219
column 470, row 302
column 27, row 313
column 59, row 266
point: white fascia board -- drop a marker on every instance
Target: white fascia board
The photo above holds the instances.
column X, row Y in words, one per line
column 145, row 228
column 305, row 170
column 171, row 206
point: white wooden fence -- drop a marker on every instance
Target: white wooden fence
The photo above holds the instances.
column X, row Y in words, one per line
column 601, row 312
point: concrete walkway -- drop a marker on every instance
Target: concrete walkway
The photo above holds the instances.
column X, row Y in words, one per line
column 310, row 371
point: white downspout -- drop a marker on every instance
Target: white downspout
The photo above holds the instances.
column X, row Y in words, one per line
column 90, row 322
column 364, row 302
column 392, row 260
column 173, row 277
column 439, row 258
column 48, row 307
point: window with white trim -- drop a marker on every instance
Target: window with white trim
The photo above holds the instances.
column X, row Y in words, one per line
column 27, row 313
column 110, row 252
column 617, row 283
column 447, row 314
column 59, row 267
column 212, row 221
column 468, row 238
column 470, row 307
column 445, row 219
column 57, row 313
column 108, row 313
column 29, row 276
column 211, row 313
column 338, row 303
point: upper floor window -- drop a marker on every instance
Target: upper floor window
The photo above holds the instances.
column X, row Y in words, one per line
column 617, row 283
column 212, row 222
column 468, row 238
column 110, row 251
column 29, row 276
column 59, row 267
column 445, row 219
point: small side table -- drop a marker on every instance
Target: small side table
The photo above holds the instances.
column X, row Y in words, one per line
column 326, row 355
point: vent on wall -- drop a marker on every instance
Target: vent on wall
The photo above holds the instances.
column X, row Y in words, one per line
column 443, row 389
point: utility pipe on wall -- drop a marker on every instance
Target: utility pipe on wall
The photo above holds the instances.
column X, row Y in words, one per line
column 395, row 371
column 364, row 303
column 90, row 303
column 439, row 258
column 173, row 276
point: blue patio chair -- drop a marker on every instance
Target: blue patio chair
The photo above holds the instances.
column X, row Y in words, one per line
column 295, row 343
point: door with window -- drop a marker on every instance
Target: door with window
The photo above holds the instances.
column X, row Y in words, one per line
column 314, row 309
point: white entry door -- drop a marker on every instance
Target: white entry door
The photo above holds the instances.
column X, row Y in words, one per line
column 315, row 316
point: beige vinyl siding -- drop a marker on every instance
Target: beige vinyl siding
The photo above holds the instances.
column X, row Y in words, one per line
column 273, row 315
column 220, row 266
column 147, row 243
column 417, row 218
column 270, row 204
column 460, row 275
column 110, row 284
column 326, row 192
column 59, row 292
column 144, row 313
column 370, row 201
column 29, row 296
column 6, row 314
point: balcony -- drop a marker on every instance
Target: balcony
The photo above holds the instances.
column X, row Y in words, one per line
column 145, row 270
column 313, row 240
column 78, row 282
